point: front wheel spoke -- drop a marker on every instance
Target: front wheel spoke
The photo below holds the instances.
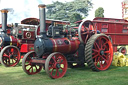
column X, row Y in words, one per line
column 12, row 61
column 29, row 58
column 62, row 68
column 56, row 72
column 54, row 59
column 5, row 59
column 8, row 51
column 27, row 65
column 51, row 62
column 8, row 61
column 52, row 71
column 32, row 70
column 12, row 51
column 36, row 67
column 5, row 55
column 51, row 67
column 29, row 69
column 15, row 59
column 61, row 61
column 15, row 55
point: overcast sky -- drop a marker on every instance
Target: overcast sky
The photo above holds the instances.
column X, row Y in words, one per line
column 29, row 8
column 112, row 8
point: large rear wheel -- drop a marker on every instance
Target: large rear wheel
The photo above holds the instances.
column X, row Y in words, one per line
column 85, row 31
column 99, row 52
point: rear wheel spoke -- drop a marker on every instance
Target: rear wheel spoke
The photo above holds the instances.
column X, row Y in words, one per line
column 101, row 56
column 95, row 56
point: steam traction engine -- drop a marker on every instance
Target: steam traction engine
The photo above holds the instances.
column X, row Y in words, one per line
column 54, row 50
column 18, row 39
column 18, row 42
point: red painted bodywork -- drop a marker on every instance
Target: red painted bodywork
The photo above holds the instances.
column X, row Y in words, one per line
column 29, row 35
column 60, row 46
column 26, row 42
column 26, row 48
column 117, row 29
column 14, row 41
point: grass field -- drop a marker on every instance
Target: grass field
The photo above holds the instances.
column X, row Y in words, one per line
column 77, row 76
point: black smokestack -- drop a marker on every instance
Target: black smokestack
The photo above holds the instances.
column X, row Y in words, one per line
column 42, row 20
column 4, row 19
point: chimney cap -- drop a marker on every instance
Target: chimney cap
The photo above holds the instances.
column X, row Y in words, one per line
column 4, row 11
column 42, row 6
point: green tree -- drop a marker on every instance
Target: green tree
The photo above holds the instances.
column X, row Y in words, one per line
column 75, row 17
column 63, row 11
column 99, row 12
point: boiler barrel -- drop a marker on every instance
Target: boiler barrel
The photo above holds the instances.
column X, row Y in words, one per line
column 8, row 40
column 50, row 45
column 65, row 45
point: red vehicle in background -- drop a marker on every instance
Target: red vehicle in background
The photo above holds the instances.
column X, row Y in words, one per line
column 117, row 29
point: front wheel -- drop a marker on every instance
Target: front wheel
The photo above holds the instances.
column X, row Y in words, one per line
column 29, row 67
column 10, row 56
column 56, row 65
column 99, row 52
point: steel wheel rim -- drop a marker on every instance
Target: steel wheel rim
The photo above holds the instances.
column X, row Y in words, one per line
column 10, row 56
column 57, row 66
column 102, row 53
column 30, row 68
column 84, row 36
column 123, row 50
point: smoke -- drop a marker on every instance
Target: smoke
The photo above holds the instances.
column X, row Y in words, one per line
column 21, row 9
